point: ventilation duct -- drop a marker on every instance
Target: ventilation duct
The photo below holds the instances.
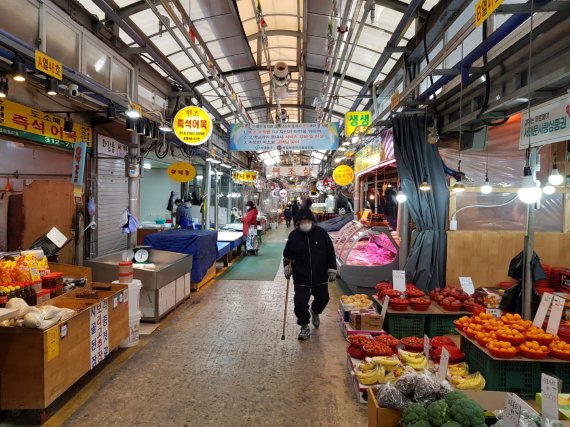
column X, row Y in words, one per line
column 281, row 74
column 281, row 93
column 283, row 117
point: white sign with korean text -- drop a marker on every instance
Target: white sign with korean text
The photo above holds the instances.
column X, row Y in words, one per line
column 279, row 171
column 107, row 146
column 426, row 345
column 99, row 332
column 467, row 285
column 443, row 364
column 399, row 280
column 555, row 315
column 542, row 309
column 547, row 123
column 385, row 304
column 549, row 389
column 514, row 406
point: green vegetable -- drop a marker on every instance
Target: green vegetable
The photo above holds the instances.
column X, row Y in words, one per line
column 467, row 413
column 421, row 423
column 453, row 396
column 414, row 413
column 438, row 413
column 451, row 424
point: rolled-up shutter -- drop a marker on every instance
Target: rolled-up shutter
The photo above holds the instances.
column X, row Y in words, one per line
column 112, row 195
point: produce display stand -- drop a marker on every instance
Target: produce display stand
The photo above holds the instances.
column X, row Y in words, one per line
column 519, row 374
column 433, row 322
column 361, row 391
column 36, row 367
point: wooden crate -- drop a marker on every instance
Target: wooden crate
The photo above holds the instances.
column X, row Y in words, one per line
column 36, row 367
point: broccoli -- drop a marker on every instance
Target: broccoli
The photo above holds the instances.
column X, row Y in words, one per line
column 413, row 414
column 421, row 423
column 467, row 413
column 438, row 413
column 451, row 424
column 453, row 396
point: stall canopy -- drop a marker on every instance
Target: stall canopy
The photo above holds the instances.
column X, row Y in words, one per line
column 418, row 161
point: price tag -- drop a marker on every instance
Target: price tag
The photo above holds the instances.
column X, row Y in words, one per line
column 384, row 310
column 549, row 388
column 426, row 345
column 467, row 285
column 443, row 364
column 555, row 315
column 513, row 407
column 542, row 309
column 496, row 312
column 399, row 280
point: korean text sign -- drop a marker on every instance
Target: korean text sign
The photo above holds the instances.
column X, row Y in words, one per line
column 99, row 332
column 357, row 121
column 27, row 123
column 547, row 123
column 279, row 171
column 181, row 172
column 484, row 9
column 192, row 125
column 287, row 137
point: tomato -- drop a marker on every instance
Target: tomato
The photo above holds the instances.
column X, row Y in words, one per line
column 413, row 341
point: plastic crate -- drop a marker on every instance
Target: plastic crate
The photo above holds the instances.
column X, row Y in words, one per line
column 441, row 325
column 402, row 326
column 559, row 370
column 522, row 378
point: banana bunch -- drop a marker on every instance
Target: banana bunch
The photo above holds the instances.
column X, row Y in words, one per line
column 373, row 376
column 417, row 361
column 388, row 362
column 391, row 377
column 458, row 370
column 474, row 381
column 367, row 365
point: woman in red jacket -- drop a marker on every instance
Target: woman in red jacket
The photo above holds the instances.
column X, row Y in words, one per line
column 250, row 227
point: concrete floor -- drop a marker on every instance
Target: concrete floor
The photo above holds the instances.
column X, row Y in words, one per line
column 219, row 361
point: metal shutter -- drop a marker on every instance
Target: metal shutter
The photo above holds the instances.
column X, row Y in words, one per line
column 112, row 199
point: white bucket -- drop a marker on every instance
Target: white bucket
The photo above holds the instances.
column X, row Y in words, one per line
column 133, row 339
column 134, row 297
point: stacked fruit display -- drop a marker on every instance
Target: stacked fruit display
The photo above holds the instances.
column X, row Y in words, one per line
column 511, row 335
column 452, row 299
column 412, row 297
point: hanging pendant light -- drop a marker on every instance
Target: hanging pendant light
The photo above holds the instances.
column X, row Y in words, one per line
column 401, row 196
column 424, row 186
column 3, row 87
column 141, row 126
column 555, row 178
column 51, row 86
column 486, row 188
column 130, row 123
column 458, row 187
column 19, row 71
column 548, row 189
column 111, row 110
column 529, row 192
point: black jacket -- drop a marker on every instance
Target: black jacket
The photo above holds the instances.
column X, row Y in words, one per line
column 313, row 255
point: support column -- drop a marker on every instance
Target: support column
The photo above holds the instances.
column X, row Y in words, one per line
column 134, row 187
column 207, row 198
column 404, row 233
column 217, row 183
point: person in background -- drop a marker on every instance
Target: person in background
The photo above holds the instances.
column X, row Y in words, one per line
column 310, row 258
column 288, row 215
column 195, row 200
column 294, row 211
column 183, row 214
column 308, row 203
column 250, row 224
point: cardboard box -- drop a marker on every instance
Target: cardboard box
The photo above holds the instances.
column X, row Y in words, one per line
column 489, row 297
column 358, row 319
column 381, row 417
column 565, row 280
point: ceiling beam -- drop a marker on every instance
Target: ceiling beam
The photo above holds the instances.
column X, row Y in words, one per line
column 398, row 6
column 270, row 33
column 302, row 107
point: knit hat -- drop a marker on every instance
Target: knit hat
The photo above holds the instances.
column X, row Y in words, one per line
column 305, row 213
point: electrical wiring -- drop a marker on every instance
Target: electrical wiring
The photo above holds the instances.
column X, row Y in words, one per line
column 483, row 206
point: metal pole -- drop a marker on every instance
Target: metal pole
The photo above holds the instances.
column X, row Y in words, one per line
column 376, row 194
column 529, row 248
column 206, row 213
column 404, row 228
column 217, row 180
column 134, row 188
column 230, row 199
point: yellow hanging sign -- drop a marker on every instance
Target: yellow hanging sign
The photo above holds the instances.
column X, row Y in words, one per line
column 192, row 125
column 181, row 172
column 244, row 176
column 356, row 121
column 48, row 65
column 484, row 9
column 343, row 175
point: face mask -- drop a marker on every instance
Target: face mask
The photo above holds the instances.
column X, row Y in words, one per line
column 305, row 227
column 248, row 208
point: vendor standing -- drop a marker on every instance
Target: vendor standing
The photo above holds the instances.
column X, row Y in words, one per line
column 310, row 258
column 183, row 214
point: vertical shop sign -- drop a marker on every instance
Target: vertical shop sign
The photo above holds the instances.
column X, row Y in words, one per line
column 357, row 121
column 27, row 123
column 79, row 154
column 48, row 65
column 99, row 332
column 484, row 9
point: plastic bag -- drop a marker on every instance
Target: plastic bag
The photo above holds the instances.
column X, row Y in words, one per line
column 427, row 387
column 512, row 300
column 49, row 311
column 407, row 383
column 516, row 267
column 390, row 397
column 91, row 207
column 33, row 319
column 444, row 388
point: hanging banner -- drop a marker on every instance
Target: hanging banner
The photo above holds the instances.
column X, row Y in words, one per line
column 181, row 172
column 546, row 124
column 78, row 168
column 343, row 175
column 356, row 121
column 287, row 137
column 48, row 65
column 192, row 125
column 244, row 176
column 484, row 9
column 24, row 122
column 278, row 171
column 99, row 332
column 374, row 153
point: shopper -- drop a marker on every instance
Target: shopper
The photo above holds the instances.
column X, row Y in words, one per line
column 310, row 258
column 294, row 210
column 183, row 214
column 249, row 221
column 288, row 215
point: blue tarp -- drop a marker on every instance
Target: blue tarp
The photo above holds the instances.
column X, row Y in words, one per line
column 223, row 249
column 201, row 244
column 336, row 223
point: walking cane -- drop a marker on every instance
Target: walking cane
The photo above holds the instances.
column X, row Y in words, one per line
column 286, row 301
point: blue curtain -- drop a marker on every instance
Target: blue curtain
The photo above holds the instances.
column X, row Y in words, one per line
column 417, row 160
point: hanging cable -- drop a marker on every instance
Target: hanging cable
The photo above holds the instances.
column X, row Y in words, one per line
column 427, row 56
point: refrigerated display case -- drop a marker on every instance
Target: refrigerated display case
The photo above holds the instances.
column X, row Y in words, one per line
column 365, row 256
